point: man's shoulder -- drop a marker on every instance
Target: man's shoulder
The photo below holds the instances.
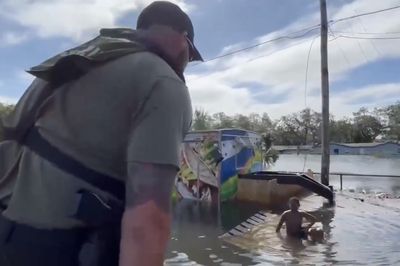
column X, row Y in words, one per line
column 303, row 213
column 148, row 64
column 292, row 213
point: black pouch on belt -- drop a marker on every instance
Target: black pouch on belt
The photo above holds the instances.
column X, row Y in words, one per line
column 104, row 217
column 96, row 211
column 6, row 228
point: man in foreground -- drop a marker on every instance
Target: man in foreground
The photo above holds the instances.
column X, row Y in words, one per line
column 94, row 145
column 293, row 220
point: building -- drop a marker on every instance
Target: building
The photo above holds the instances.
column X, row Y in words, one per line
column 379, row 149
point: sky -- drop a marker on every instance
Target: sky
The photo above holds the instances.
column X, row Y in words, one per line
column 364, row 52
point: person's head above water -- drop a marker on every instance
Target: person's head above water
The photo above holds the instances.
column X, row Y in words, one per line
column 294, row 204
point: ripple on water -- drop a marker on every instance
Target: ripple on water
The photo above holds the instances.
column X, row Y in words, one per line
column 357, row 233
column 180, row 259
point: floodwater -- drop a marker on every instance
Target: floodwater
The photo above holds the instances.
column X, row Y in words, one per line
column 360, row 229
column 357, row 164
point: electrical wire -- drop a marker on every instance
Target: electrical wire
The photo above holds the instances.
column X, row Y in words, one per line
column 307, row 65
column 305, row 89
column 369, row 38
column 340, row 47
column 290, row 46
column 368, row 33
column 370, row 41
column 250, row 60
column 288, row 36
column 361, row 48
column 365, row 14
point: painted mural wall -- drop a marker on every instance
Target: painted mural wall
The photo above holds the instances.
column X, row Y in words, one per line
column 211, row 162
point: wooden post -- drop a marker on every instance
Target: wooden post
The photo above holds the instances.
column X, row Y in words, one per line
column 325, row 95
column 341, row 182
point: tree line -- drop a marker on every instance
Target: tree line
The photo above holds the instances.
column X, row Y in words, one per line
column 5, row 109
column 304, row 127
column 300, row 128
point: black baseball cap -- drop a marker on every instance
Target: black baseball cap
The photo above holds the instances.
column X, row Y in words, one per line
column 169, row 14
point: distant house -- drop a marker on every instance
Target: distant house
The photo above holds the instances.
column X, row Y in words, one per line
column 382, row 149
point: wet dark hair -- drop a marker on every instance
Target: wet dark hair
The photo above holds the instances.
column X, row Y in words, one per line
column 294, row 199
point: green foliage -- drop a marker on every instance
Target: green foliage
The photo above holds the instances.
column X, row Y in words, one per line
column 298, row 128
column 221, row 120
column 270, row 155
column 301, row 128
column 304, row 127
column 366, row 126
column 341, row 131
column 391, row 119
column 201, row 120
column 5, row 109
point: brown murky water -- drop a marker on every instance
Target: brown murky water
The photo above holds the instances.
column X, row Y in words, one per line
column 361, row 229
column 357, row 233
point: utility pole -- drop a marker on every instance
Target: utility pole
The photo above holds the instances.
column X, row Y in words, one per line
column 325, row 95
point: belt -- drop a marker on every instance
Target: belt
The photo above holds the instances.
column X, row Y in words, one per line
column 14, row 232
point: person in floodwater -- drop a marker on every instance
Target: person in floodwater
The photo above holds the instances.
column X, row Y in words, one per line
column 293, row 220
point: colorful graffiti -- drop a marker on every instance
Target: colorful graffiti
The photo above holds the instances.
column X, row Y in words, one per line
column 242, row 154
column 211, row 162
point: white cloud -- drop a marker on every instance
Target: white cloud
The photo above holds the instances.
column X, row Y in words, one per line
column 369, row 95
column 280, row 68
column 76, row 19
column 12, row 38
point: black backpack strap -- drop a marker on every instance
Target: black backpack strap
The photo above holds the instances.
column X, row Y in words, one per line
column 34, row 141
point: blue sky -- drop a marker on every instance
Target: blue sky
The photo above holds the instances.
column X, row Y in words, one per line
column 269, row 78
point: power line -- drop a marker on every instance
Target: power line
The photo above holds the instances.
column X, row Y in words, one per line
column 368, row 38
column 288, row 36
column 340, row 47
column 370, row 41
column 305, row 91
column 306, row 78
column 251, row 59
column 368, row 33
column 308, row 30
column 365, row 14
column 290, row 46
column 359, row 46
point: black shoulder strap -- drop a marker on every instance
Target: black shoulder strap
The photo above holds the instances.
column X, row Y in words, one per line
column 29, row 136
column 34, row 141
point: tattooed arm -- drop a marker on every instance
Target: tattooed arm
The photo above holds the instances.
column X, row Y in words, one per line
column 155, row 140
column 146, row 221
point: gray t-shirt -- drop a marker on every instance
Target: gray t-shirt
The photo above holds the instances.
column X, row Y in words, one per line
column 133, row 109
